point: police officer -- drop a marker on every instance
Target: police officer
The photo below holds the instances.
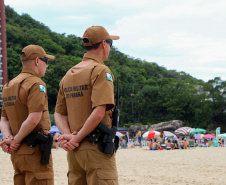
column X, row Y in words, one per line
column 86, row 97
column 25, row 109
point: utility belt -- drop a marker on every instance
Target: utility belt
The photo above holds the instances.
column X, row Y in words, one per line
column 45, row 143
column 105, row 137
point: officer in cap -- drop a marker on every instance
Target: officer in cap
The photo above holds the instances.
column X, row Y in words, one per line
column 86, row 97
column 25, row 111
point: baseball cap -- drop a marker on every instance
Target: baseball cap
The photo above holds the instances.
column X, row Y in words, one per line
column 96, row 34
column 33, row 51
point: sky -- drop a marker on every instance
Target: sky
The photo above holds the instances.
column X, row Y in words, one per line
column 181, row 35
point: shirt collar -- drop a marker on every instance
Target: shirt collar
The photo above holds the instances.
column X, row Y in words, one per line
column 94, row 57
column 24, row 70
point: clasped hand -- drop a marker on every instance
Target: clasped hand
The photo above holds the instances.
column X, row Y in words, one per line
column 9, row 145
column 68, row 141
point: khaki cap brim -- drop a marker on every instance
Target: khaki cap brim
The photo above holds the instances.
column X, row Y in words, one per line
column 50, row 56
column 114, row 37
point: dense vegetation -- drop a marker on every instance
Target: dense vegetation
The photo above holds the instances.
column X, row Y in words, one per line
column 148, row 93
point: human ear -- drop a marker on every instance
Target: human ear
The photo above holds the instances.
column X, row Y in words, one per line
column 36, row 61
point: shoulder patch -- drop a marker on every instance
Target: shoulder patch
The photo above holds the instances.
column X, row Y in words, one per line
column 109, row 77
column 42, row 88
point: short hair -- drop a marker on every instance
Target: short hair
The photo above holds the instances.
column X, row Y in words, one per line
column 94, row 46
column 24, row 55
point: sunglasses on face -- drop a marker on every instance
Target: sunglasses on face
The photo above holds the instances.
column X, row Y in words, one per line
column 109, row 41
column 44, row 59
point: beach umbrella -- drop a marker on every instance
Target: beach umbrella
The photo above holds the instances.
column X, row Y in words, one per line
column 198, row 131
column 168, row 134
column 209, row 136
column 119, row 134
column 199, row 136
column 150, row 134
column 54, row 129
column 222, row 135
column 183, row 131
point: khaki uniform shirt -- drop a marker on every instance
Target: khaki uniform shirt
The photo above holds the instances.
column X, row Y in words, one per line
column 83, row 89
column 31, row 97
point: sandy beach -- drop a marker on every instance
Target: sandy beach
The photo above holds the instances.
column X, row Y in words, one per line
column 138, row 166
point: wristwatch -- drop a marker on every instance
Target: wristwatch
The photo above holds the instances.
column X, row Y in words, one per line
column 8, row 137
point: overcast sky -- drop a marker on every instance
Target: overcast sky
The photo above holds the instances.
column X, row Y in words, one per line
column 185, row 35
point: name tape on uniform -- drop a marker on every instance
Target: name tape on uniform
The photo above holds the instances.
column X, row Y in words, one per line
column 42, row 88
column 109, row 77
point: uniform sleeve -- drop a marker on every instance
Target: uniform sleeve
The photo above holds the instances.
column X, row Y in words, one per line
column 61, row 107
column 37, row 98
column 3, row 114
column 103, row 88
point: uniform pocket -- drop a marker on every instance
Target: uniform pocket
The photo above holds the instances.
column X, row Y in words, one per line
column 25, row 150
column 43, row 178
column 106, row 177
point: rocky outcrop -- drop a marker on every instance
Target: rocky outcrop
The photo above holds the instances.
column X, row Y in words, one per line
column 133, row 129
column 170, row 126
column 167, row 126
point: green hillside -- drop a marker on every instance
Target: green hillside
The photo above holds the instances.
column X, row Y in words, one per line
column 148, row 93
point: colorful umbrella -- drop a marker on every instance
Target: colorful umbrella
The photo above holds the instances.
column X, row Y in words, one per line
column 119, row 134
column 198, row 131
column 199, row 136
column 151, row 134
column 209, row 136
column 183, row 131
column 222, row 135
column 168, row 134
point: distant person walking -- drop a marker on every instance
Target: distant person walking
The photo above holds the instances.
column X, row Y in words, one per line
column 139, row 137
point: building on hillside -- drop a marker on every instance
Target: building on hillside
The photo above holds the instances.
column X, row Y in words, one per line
column 3, row 50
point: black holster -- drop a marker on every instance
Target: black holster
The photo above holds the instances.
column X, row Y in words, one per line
column 45, row 144
column 104, row 137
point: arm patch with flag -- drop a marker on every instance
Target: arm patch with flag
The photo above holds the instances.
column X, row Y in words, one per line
column 109, row 77
column 42, row 88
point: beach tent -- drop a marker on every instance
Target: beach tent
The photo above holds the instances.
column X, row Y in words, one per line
column 54, row 129
column 122, row 129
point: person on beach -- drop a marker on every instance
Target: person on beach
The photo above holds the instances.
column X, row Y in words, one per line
column 222, row 143
column 149, row 144
column 139, row 137
column 219, row 142
column 175, row 145
column 168, row 145
column 25, row 114
column 182, row 143
column 55, row 140
column 155, row 145
column 162, row 136
column 86, row 98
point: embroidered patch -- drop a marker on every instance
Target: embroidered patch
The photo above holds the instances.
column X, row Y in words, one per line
column 42, row 88
column 109, row 77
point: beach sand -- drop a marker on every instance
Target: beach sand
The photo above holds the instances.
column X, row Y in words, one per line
column 137, row 166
